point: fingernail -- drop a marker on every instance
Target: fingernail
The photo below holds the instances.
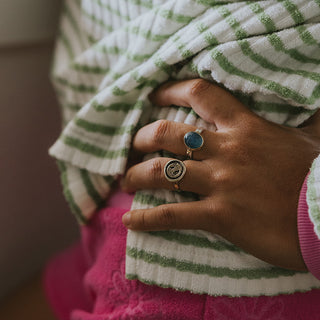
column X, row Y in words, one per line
column 126, row 219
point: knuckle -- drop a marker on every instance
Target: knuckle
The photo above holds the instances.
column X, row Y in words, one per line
column 220, row 214
column 155, row 170
column 198, row 87
column 166, row 217
column 230, row 145
column 223, row 178
column 238, row 151
column 161, row 131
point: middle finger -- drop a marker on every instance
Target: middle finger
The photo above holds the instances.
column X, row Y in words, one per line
column 169, row 135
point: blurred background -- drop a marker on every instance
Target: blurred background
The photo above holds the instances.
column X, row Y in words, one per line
column 35, row 221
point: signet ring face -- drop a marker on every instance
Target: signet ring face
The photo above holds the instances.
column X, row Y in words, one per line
column 174, row 171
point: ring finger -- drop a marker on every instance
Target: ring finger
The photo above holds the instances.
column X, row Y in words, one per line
column 150, row 175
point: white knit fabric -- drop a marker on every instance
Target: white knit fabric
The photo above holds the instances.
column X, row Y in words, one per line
column 111, row 54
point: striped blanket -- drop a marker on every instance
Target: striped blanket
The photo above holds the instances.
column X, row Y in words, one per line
column 111, row 54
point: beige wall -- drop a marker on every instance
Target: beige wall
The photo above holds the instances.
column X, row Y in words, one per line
column 34, row 218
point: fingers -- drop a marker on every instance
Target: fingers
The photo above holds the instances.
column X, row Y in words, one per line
column 169, row 135
column 150, row 175
column 209, row 101
column 187, row 215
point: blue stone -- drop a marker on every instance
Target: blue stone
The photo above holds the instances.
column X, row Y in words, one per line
column 193, row 140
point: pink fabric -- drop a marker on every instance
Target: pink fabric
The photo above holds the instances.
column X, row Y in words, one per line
column 121, row 199
column 309, row 241
column 87, row 282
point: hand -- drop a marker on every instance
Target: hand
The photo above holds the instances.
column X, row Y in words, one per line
column 249, row 173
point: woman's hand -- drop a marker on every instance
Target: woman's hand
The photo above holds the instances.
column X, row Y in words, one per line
column 249, row 173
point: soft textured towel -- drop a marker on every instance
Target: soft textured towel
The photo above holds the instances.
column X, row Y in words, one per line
column 111, row 54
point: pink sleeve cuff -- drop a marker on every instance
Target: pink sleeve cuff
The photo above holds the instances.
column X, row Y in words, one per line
column 309, row 241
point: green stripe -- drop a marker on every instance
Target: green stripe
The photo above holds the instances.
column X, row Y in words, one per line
column 245, row 47
column 268, row 84
column 144, row 81
column 65, row 41
column 296, row 15
column 278, row 44
column 73, row 22
column 272, row 107
column 110, row 9
column 201, row 242
column 264, row 63
column 212, row 2
column 167, row 14
column 280, row 108
column 149, row 199
column 101, row 23
column 196, row 268
column 259, row 59
column 68, row 195
column 306, row 36
column 118, row 92
column 103, row 129
column 89, row 69
column 94, row 150
column 262, row 16
column 234, row 24
column 171, row 15
column 76, row 87
column 117, row 106
column 119, row 51
column 162, row 65
column 91, row 190
column 91, row 38
column 132, row 276
column 147, row 34
column 181, row 46
column 144, row 3
column 210, row 39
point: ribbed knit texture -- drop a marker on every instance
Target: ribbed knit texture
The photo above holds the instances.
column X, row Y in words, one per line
column 309, row 241
column 111, row 54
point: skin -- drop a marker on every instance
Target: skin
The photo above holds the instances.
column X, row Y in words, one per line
column 249, row 173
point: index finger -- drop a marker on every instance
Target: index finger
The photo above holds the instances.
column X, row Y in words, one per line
column 211, row 102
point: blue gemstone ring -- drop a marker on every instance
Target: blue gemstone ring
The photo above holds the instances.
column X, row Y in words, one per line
column 193, row 141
